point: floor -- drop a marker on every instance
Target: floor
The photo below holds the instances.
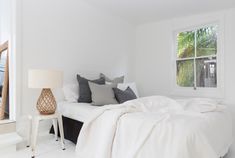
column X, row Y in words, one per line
column 46, row 149
column 49, row 148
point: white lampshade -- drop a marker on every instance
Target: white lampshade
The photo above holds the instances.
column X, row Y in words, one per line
column 45, row 78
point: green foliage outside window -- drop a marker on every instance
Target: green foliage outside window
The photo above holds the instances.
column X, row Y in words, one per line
column 191, row 45
column 185, row 75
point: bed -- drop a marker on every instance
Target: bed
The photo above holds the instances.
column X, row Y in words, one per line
column 102, row 129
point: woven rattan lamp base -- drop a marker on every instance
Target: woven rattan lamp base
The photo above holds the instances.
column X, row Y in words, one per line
column 46, row 103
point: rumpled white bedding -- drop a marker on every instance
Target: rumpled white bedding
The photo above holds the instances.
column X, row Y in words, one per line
column 157, row 127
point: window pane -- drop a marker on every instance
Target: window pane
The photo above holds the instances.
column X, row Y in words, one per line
column 186, row 42
column 206, row 72
column 185, row 75
column 207, row 41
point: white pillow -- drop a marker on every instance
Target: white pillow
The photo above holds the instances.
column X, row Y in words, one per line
column 71, row 92
column 123, row 86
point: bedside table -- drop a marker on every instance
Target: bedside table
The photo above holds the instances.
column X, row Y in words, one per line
column 35, row 125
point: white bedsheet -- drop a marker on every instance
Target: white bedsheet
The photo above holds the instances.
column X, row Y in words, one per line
column 156, row 127
column 76, row 111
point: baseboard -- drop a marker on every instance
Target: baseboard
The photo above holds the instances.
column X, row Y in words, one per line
column 7, row 127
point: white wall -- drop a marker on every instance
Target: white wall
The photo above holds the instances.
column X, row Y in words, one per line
column 155, row 46
column 71, row 36
column 5, row 20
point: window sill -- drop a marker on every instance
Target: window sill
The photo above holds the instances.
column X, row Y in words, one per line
column 199, row 92
column 7, row 121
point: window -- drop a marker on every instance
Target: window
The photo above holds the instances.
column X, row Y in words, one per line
column 196, row 58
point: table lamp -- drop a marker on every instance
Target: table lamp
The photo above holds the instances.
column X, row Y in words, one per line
column 45, row 80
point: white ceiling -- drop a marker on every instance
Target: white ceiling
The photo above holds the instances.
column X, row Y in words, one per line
column 143, row 11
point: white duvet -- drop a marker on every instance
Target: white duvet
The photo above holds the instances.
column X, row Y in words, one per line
column 157, row 127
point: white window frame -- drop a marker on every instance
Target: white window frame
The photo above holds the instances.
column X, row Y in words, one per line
column 212, row 92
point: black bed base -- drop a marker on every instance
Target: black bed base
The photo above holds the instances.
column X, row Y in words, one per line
column 72, row 129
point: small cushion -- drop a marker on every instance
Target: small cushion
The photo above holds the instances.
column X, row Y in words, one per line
column 115, row 80
column 84, row 89
column 71, row 92
column 132, row 85
column 123, row 96
column 102, row 94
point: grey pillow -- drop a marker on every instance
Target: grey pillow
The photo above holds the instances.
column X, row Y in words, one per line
column 123, row 96
column 115, row 80
column 84, row 89
column 102, row 94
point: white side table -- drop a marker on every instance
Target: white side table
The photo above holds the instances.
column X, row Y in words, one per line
column 35, row 125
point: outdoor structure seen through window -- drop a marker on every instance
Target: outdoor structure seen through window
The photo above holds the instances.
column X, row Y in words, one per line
column 197, row 57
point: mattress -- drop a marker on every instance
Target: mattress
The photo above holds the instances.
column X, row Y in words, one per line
column 76, row 111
